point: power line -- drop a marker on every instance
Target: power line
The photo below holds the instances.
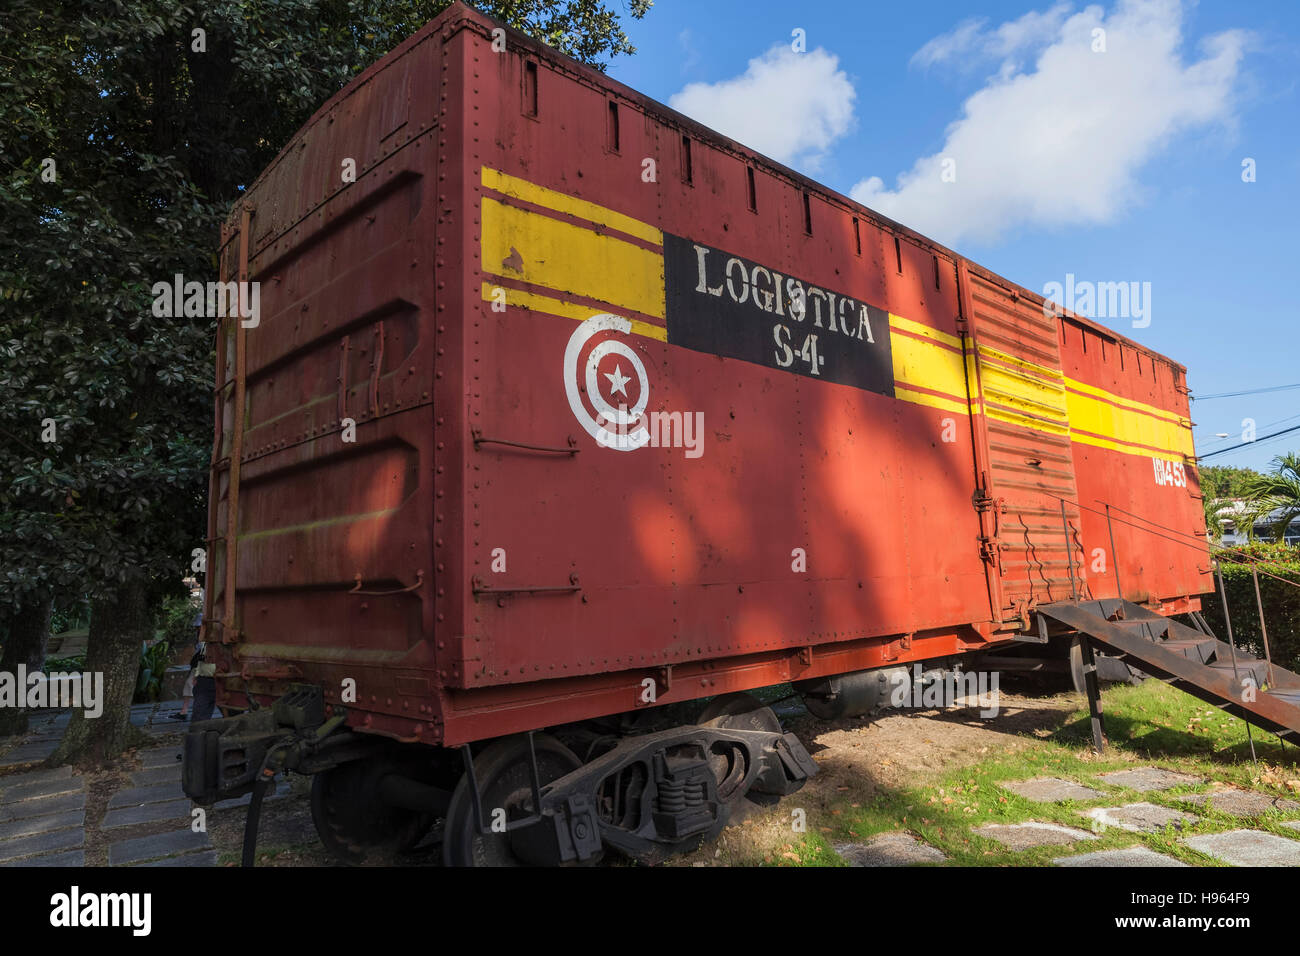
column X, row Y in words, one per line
column 1249, row 391
column 1246, row 444
column 1219, row 440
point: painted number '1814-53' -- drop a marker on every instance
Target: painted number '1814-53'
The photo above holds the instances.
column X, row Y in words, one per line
column 1169, row 473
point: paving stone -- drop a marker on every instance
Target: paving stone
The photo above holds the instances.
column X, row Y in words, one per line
column 29, row 753
column 41, row 843
column 53, row 821
column 206, row 858
column 1050, row 790
column 40, row 808
column 67, row 858
column 1294, row 824
column 1129, row 856
column 156, row 775
column 138, row 796
column 31, row 776
column 36, row 789
column 889, row 849
column 1022, row 836
column 1248, row 848
column 161, row 757
column 1139, row 817
column 1146, row 779
column 1243, row 803
column 160, row 844
column 148, row 813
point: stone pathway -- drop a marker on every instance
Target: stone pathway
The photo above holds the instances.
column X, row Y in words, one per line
column 1139, row 817
column 1248, row 848
column 1243, row 803
column 1146, row 779
column 889, row 849
column 44, row 731
column 1023, row 836
column 1051, row 790
column 43, row 812
column 1128, row 856
column 1236, row 847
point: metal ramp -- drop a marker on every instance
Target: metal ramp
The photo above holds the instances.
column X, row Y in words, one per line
column 1194, row 661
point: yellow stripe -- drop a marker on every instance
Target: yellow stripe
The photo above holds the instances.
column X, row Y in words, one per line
column 1127, row 402
column 530, row 192
column 1111, row 425
column 1050, row 428
column 934, row 401
column 1052, row 373
column 916, row 328
column 569, row 310
column 929, row 366
column 1027, row 394
column 1124, row 424
column 520, row 244
column 1083, row 439
column 569, row 258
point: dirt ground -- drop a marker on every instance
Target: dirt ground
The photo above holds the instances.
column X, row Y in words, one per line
column 892, row 749
column 862, row 757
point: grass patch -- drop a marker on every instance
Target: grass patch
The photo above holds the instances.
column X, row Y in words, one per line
column 1151, row 725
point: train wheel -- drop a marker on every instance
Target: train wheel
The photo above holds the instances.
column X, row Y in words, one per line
column 738, row 711
column 504, row 782
column 1135, row 676
column 353, row 823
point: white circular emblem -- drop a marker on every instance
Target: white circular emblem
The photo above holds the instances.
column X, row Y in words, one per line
column 613, row 426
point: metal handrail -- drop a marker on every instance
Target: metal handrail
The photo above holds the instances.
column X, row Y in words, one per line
column 1233, row 555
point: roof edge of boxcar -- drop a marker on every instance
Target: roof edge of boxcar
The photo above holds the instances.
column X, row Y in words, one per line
column 458, row 16
column 666, row 113
column 388, row 60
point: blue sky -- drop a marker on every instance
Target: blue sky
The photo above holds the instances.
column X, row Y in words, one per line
column 1121, row 164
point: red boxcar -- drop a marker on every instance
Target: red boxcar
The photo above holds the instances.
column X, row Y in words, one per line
column 561, row 407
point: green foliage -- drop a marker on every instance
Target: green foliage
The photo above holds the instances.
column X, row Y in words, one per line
column 150, row 141
column 1223, row 481
column 69, row 614
column 175, row 620
column 153, row 667
column 65, row 664
column 1278, row 492
column 1281, row 600
column 1221, row 484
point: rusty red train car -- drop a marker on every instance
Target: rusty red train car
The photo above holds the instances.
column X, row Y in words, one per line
column 562, row 409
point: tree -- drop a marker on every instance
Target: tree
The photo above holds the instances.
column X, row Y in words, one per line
column 1222, row 488
column 1277, row 493
column 129, row 127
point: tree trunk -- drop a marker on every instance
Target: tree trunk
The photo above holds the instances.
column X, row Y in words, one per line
column 118, row 629
column 29, row 632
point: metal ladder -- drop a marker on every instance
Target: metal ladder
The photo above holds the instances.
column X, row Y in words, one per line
column 1194, row 661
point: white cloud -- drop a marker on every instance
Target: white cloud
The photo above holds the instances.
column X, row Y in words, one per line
column 789, row 106
column 690, row 55
column 1062, row 143
column 970, row 42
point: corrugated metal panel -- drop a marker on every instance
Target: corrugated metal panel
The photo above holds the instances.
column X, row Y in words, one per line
column 1021, row 393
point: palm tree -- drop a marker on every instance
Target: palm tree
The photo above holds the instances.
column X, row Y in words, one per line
column 1278, row 492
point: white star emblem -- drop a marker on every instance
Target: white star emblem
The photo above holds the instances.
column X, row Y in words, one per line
column 618, row 381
